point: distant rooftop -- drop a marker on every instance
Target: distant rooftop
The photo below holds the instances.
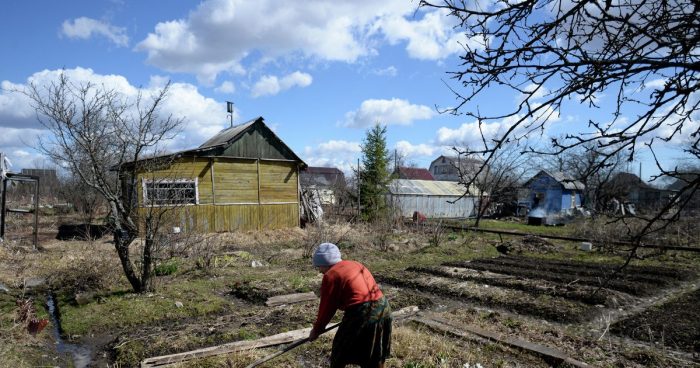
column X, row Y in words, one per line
column 414, row 173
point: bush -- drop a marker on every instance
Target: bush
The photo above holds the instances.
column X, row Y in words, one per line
column 166, row 268
column 89, row 272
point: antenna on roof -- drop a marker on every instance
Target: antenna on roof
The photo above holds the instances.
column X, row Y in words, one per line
column 229, row 110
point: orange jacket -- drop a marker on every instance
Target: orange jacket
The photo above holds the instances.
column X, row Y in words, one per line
column 345, row 284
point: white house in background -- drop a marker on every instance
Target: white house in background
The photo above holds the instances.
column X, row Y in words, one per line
column 446, row 168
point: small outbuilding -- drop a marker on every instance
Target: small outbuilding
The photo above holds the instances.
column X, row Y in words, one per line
column 323, row 182
column 243, row 178
column 554, row 192
column 431, row 198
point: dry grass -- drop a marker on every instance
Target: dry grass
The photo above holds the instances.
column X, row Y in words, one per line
column 212, row 315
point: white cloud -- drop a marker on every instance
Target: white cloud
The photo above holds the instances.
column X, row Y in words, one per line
column 270, row 85
column 334, row 153
column 226, row 87
column 431, row 38
column 203, row 116
column 389, row 71
column 470, row 134
column 655, row 84
column 389, row 112
column 15, row 109
column 406, row 149
column 535, row 91
column 85, row 28
column 14, row 143
column 219, row 34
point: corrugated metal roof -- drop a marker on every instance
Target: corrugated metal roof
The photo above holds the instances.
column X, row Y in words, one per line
column 228, row 134
column 426, row 187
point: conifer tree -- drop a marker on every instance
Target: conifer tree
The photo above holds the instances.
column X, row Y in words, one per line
column 375, row 173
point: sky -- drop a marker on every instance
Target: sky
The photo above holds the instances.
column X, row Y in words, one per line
column 319, row 72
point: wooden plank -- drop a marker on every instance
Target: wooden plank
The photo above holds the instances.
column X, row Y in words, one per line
column 232, row 347
column 290, row 299
column 19, row 210
column 461, row 330
column 278, row 182
column 282, row 338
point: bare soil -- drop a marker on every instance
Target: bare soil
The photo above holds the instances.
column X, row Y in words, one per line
column 675, row 324
column 542, row 306
column 537, row 269
column 579, row 293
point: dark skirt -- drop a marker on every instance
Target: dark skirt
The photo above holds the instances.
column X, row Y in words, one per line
column 364, row 337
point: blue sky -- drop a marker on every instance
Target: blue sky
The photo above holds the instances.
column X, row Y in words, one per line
column 319, row 72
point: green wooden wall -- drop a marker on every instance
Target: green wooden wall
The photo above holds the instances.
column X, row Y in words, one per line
column 234, row 194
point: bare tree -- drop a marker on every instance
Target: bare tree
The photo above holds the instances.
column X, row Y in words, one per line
column 592, row 166
column 86, row 201
column 94, row 132
column 643, row 53
column 498, row 183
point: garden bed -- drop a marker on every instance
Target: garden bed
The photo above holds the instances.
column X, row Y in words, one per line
column 675, row 324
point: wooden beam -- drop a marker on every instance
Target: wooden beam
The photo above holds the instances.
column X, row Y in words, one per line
column 20, row 210
column 213, row 193
column 290, row 299
column 282, row 338
column 232, row 347
column 461, row 330
column 260, row 216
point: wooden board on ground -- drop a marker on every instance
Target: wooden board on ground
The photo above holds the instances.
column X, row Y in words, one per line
column 461, row 330
column 289, row 299
column 282, row 338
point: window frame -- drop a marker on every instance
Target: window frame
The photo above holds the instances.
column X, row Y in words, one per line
column 148, row 203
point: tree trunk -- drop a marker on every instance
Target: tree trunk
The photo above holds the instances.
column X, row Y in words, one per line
column 146, row 284
column 123, row 236
column 122, row 240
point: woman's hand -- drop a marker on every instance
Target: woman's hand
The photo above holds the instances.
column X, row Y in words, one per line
column 313, row 335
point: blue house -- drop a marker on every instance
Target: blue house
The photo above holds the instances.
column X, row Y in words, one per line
column 554, row 192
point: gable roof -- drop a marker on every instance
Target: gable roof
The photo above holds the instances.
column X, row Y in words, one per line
column 414, row 173
column 229, row 135
column 217, row 144
column 629, row 180
column 567, row 181
column 454, row 160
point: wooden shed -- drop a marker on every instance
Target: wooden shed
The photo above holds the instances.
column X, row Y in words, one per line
column 243, row 178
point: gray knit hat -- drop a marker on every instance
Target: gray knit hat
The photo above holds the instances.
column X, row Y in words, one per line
column 327, row 254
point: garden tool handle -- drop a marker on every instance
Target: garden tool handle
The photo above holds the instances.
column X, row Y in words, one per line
column 288, row 348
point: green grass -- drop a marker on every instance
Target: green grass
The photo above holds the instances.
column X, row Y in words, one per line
column 523, row 228
column 121, row 311
column 462, row 248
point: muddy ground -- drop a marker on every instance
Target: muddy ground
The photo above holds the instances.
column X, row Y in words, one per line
column 551, row 297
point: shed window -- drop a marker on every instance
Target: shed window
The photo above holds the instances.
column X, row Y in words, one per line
column 168, row 192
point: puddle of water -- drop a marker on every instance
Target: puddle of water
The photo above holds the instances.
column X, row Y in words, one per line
column 82, row 356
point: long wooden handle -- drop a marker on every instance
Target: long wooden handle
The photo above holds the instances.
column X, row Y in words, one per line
column 288, row 348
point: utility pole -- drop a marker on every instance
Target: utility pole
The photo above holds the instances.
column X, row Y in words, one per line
column 358, row 189
column 396, row 160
